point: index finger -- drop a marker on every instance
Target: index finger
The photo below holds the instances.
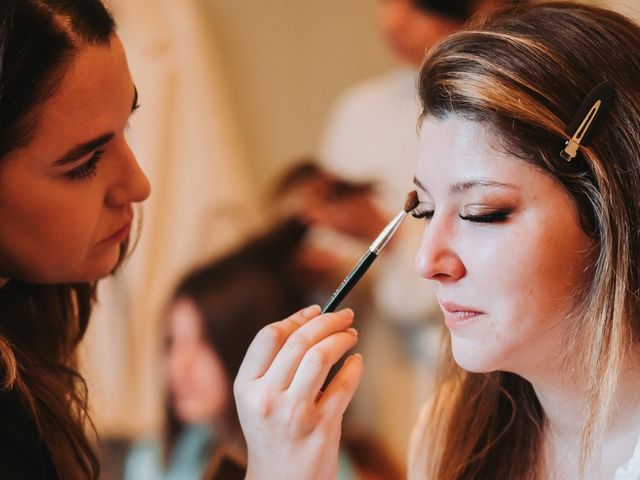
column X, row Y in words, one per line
column 269, row 341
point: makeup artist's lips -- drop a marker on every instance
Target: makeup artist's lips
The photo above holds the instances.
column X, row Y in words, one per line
column 119, row 235
column 455, row 315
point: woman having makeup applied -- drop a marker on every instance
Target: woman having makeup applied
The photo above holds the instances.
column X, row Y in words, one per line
column 529, row 186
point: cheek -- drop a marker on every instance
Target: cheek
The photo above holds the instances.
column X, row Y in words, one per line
column 550, row 277
column 47, row 230
column 212, row 379
column 210, row 392
column 204, row 376
column 525, row 278
column 527, row 269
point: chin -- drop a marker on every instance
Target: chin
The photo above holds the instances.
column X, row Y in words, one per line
column 474, row 360
column 102, row 266
column 190, row 414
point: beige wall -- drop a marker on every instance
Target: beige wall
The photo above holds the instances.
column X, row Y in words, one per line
column 285, row 62
column 630, row 8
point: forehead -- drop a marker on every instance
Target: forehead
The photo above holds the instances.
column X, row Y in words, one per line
column 89, row 100
column 453, row 150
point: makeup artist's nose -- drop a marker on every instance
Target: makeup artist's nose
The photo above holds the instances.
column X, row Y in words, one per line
column 436, row 259
column 131, row 183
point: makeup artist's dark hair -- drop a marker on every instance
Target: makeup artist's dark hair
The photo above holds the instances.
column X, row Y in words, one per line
column 523, row 74
column 41, row 325
column 235, row 297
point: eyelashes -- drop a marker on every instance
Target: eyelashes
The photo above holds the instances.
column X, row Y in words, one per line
column 421, row 213
column 87, row 169
column 496, row 216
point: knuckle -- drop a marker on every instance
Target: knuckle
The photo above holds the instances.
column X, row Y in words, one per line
column 298, row 342
column 297, row 319
column 302, row 418
column 265, row 406
column 346, row 384
column 273, row 334
column 318, row 356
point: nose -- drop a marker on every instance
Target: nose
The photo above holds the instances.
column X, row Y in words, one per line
column 436, row 258
column 132, row 185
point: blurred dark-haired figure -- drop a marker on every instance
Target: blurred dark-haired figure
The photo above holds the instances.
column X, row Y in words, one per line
column 341, row 218
column 212, row 317
column 371, row 138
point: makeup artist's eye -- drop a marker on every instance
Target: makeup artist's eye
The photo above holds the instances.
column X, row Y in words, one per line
column 87, row 169
column 133, row 110
column 496, row 216
column 422, row 211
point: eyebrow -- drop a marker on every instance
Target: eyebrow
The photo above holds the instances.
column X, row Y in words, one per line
column 465, row 185
column 83, row 149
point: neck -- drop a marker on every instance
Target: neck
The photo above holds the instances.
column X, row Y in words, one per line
column 563, row 395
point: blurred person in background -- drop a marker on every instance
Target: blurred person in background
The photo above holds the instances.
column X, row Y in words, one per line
column 371, row 137
column 373, row 123
column 212, row 317
column 337, row 232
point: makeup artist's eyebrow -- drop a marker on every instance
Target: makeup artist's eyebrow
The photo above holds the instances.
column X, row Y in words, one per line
column 86, row 148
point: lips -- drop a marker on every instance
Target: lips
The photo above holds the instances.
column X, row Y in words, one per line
column 455, row 314
column 119, row 234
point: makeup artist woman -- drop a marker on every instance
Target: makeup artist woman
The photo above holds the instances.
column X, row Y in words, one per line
column 67, row 183
column 529, row 185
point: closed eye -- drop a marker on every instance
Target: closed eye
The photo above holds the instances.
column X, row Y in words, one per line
column 87, row 169
column 421, row 212
column 492, row 217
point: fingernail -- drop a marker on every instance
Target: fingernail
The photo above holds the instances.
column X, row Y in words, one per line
column 311, row 311
column 348, row 311
column 353, row 331
column 357, row 355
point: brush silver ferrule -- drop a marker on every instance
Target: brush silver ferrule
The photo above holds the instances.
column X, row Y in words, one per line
column 388, row 232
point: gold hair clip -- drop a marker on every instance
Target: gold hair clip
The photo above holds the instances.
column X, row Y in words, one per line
column 584, row 123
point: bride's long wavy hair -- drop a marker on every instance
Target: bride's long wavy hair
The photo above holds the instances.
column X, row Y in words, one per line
column 523, row 72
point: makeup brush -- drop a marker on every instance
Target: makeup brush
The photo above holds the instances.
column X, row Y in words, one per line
column 372, row 253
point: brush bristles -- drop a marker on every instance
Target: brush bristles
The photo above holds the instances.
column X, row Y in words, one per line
column 412, row 202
